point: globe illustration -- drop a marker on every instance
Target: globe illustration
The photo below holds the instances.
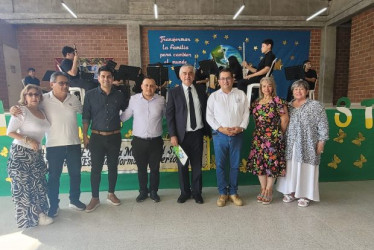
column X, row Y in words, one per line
column 221, row 54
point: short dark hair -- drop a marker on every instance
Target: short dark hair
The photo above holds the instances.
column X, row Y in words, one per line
column 66, row 50
column 268, row 41
column 228, row 70
column 306, row 61
column 30, row 69
column 107, row 69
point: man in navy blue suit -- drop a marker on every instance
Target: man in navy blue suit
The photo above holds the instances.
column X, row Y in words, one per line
column 185, row 114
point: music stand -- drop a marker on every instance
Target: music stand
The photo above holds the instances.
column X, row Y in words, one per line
column 87, row 76
column 294, row 72
column 47, row 75
column 127, row 73
column 111, row 65
column 209, row 67
column 158, row 73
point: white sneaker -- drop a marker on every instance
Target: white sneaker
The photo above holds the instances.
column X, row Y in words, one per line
column 44, row 220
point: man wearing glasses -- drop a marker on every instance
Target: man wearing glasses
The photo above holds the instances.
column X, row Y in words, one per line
column 228, row 115
column 63, row 143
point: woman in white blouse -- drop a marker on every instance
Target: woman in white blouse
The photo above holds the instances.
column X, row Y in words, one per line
column 306, row 136
column 26, row 166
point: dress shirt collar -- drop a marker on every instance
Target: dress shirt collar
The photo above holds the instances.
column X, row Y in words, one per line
column 185, row 87
column 142, row 97
column 103, row 92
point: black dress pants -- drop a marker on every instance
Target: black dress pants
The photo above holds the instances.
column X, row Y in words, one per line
column 101, row 146
column 193, row 146
column 148, row 152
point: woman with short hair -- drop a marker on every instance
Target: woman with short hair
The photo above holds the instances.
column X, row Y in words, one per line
column 307, row 133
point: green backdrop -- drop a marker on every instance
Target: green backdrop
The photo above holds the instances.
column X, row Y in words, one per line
column 347, row 156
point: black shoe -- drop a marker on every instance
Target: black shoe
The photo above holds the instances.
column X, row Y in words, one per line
column 154, row 196
column 77, row 205
column 198, row 198
column 142, row 196
column 182, row 198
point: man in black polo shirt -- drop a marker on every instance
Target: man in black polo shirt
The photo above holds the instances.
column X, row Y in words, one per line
column 256, row 74
column 101, row 109
column 70, row 65
column 310, row 75
column 30, row 78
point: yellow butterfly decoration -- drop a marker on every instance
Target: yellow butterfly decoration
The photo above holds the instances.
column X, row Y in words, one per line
column 341, row 136
column 243, row 166
column 335, row 162
column 360, row 138
column 4, row 152
column 360, row 162
column 8, row 179
column 129, row 134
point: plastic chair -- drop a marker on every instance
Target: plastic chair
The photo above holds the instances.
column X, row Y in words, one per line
column 311, row 92
column 82, row 92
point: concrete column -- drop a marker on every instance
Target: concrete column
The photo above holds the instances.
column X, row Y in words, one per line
column 134, row 44
column 327, row 65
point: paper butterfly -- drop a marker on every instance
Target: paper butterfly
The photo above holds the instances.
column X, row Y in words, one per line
column 359, row 139
column 360, row 162
column 4, row 152
column 129, row 134
column 335, row 162
column 341, row 136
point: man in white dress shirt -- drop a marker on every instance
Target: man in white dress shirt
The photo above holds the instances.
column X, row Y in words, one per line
column 228, row 115
column 147, row 108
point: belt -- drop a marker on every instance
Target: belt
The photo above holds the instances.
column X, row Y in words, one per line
column 147, row 138
column 106, row 132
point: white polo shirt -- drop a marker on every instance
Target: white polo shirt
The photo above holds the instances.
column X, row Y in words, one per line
column 63, row 119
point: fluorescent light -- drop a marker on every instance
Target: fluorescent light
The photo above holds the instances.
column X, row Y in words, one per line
column 316, row 14
column 238, row 12
column 155, row 10
column 68, row 9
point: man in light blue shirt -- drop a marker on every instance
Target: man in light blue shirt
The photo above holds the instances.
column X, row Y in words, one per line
column 148, row 109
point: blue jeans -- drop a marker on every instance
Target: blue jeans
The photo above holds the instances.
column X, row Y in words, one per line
column 224, row 147
column 56, row 157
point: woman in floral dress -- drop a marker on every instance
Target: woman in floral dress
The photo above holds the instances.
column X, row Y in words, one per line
column 266, row 158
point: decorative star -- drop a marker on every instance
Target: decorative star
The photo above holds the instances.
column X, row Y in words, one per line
column 170, row 81
column 292, row 57
column 204, row 51
column 226, row 37
column 214, row 36
column 197, row 40
column 196, row 56
column 261, row 57
column 240, row 48
column 246, row 40
column 296, row 43
column 172, row 67
column 206, row 42
column 255, row 48
column 284, row 42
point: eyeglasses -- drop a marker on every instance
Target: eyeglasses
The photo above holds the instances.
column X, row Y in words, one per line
column 63, row 83
column 226, row 79
column 33, row 94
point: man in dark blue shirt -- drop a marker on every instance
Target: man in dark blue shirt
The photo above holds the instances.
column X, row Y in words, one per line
column 101, row 109
column 31, row 79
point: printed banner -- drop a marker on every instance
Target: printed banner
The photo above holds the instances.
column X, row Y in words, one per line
column 191, row 46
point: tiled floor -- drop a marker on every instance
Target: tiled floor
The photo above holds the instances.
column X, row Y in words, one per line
column 344, row 219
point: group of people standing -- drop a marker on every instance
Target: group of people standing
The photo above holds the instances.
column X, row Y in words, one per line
column 287, row 141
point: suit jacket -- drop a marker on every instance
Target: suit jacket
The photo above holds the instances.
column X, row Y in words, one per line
column 176, row 111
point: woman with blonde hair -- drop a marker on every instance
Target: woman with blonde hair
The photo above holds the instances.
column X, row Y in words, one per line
column 266, row 158
column 26, row 166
